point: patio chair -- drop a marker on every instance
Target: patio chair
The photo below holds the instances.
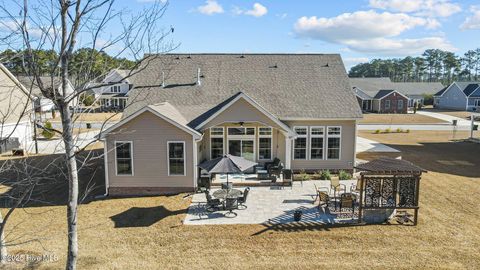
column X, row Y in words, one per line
column 318, row 190
column 347, row 200
column 355, row 188
column 288, row 178
column 274, row 163
column 230, row 205
column 275, row 170
column 242, row 200
column 212, row 204
column 323, row 199
column 337, row 187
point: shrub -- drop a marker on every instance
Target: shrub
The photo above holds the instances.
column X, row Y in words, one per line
column 87, row 100
column 399, row 130
column 408, row 131
column 388, row 130
column 343, row 175
column 377, row 131
column 47, row 133
column 325, row 175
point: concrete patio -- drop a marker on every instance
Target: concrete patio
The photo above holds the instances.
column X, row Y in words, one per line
column 274, row 205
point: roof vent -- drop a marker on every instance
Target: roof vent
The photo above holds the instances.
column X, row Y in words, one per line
column 326, row 65
column 189, row 57
column 199, row 81
column 274, row 66
column 242, row 56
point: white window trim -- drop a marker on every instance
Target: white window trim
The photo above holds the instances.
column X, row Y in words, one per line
column 216, row 136
column 316, row 136
column 339, row 146
column 131, row 158
column 184, row 158
column 306, row 143
column 271, row 143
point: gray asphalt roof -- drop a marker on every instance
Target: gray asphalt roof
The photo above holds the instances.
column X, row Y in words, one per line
column 32, row 85
column 470, row 88
column 371, row 86
column 286, row 85
column 383, row 93
column 417, row 88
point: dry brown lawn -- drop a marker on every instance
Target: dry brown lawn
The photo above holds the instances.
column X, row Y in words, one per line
column 147, row 233
column 93, row 117
column 373, row 118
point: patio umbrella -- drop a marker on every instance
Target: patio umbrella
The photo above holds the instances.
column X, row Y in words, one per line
column 227, row 164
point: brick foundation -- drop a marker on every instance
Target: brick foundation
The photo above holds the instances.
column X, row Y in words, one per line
column 138, row 191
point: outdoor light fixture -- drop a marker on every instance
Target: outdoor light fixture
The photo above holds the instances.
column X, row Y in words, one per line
column 241, row 124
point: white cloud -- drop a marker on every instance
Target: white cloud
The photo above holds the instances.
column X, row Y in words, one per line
column 372, row 32
column 400, row 47
column 358, row 25
column 351, row 61
column 472, row 22
column 282, row 15
column 429, row 8
column 211, row 7
column 258, row 10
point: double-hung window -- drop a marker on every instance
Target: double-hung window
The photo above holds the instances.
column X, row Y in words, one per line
column 400, row 104
column 216, row 142
column 123, row 158
column 300, row 143
column 334, row 136
column 176, row 158
column 265, row 143
column 387, row 104
column 316, row 142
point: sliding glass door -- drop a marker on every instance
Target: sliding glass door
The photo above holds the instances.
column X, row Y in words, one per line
column 243, row 148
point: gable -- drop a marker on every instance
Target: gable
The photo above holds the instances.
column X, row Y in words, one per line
column 241, row 110
column 475, row 93
column 394, row 94
column 454, row 91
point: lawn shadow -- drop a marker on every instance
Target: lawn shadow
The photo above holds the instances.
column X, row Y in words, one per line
column 143, row 216
column 452, row 157
column 50, row 177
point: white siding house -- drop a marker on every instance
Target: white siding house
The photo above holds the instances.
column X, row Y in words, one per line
column 114, row 92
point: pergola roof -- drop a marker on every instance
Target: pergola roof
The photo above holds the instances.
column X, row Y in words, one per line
column 386, row 165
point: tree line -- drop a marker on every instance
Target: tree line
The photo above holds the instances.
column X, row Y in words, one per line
column 433, row 65
column 87, row 63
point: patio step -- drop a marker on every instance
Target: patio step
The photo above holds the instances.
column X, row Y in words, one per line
column 252, row 184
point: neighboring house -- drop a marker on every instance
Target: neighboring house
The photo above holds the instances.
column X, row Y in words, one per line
column 43, row 104
column 16, row 110
column 114, row 92
column 459, row 96
column 381, row 95
column 185, row 109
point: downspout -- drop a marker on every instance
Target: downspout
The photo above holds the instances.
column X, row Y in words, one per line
column 195, row 161
column 105, row 161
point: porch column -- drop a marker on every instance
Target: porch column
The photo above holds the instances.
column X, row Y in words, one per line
column 288, row 152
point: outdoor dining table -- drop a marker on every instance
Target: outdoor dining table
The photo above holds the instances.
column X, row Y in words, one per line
column 227, row 193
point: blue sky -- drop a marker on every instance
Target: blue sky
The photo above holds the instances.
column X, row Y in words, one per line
column 358, row 29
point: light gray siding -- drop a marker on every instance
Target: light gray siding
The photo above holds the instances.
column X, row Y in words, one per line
column 150, row 135
column 347, row 154
column 453, row 98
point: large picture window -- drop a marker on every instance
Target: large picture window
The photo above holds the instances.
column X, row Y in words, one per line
column 316, row 142
column 334, row 135
column 300, row 143
column 216, row 142
column 123, row 157
column 265, row 143
column 176, row 158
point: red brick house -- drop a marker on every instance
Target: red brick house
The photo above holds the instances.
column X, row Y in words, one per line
column 389, row 101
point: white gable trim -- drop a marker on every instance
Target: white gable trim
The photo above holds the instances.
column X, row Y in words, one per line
column 394, row 91
column 252, row 102
column 360, row 90
column 196, row 135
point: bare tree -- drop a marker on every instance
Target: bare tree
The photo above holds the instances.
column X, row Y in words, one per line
column 64, row 26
